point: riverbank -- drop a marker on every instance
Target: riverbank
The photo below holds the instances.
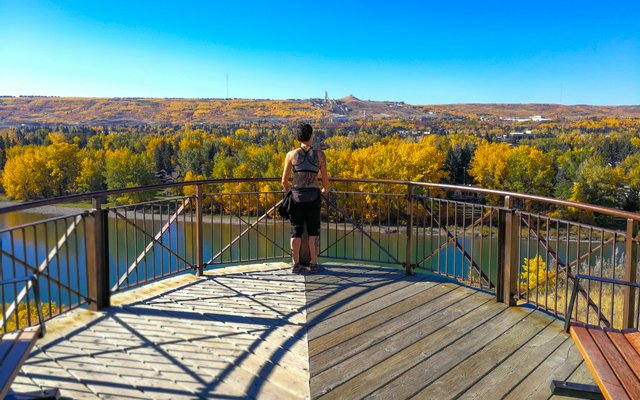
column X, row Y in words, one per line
column 51, row 210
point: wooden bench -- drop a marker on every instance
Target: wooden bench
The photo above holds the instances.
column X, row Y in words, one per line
column 612, row 356
column 16, row 346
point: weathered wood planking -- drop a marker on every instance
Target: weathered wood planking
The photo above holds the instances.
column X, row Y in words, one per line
column 397, row 362
column 371, row 321
column 350, row 332
column 507, row 374
column 409, row 323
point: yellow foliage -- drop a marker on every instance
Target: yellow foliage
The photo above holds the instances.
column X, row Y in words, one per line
column 394, row 160
column 489, row 165
column 529, row 170
column 63, row 164
column 29, row 313
column 25, row 175
column 91, row 176
column 189, row 177
column 57, row 137
column 192, row 140
column 534, row 273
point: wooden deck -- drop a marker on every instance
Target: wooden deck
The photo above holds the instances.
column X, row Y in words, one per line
column 350, row 332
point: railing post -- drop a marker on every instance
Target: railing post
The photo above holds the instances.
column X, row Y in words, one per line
column 630, row 274
column 408, row 265
column 199, row 231
column 508, row 268
column 97, row 240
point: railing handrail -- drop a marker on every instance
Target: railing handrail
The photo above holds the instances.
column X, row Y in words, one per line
column 505, row 225
column 471, row 189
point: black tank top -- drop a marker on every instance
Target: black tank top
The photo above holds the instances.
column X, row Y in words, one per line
column 306, row 165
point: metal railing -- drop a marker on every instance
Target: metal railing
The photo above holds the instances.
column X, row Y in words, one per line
column 30, row 311
column 520, row 255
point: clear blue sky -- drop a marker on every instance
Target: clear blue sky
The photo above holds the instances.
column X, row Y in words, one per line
column 420, row 52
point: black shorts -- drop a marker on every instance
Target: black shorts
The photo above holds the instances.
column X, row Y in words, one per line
column 309, row 213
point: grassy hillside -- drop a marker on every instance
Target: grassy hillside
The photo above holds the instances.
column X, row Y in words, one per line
column 136, row 111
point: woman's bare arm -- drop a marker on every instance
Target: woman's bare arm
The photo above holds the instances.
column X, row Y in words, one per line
column 323, row 173
column 286, row 172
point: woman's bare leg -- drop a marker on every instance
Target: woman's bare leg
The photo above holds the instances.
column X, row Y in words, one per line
column 313, row 248
column 295, row 249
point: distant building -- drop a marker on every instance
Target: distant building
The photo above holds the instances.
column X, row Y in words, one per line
column 534, row 118
column 538, row 118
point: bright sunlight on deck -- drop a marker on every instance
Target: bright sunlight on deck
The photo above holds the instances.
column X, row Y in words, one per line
column 257, row 331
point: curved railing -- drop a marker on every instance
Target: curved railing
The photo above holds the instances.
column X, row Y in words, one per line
column 515, row 248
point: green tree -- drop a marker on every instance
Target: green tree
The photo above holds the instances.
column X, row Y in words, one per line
column 529, row 170
column 124, row 169
column 457, row 162
column 598, row 183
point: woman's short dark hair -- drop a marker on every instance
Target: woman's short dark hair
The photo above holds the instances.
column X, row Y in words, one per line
column 304, row 132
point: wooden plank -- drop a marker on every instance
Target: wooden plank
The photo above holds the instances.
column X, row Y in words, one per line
column 240, row 366
column 580, row 375
column 396, row 359
column 627, row 351
column 372, row 321
column 339, row 273
column 341, row 299
column 561, row 363
column 13, row 360
column 617, row 362
column 325, row 323
column 499, row 381
column 348, row 273
column 472, row 367
column 6, row 343
column 443, row 354
column 407, row 325
column 634, row 339
column 600, row 369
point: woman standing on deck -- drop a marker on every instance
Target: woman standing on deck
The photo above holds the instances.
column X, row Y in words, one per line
column 305, row 162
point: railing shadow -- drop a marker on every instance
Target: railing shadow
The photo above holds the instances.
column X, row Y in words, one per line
column 156, row 326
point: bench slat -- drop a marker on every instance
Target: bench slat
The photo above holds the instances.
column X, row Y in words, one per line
column 624, row 374
column 6, row 343
column 634, row 339
column 18, row 352
column 627, row 351
column 600, row 369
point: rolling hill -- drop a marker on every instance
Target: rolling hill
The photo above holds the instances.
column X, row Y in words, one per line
column 35, row 111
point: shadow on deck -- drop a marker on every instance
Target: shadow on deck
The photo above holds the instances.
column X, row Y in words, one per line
column 257, row 331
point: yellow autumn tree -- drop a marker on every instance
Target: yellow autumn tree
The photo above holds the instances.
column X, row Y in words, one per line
column 92, row 168
column 534, row 274
column 394, row 160
column 190, row 177
column 28, row 313
column 489, row 165
column 25, row 175
column 63, row 166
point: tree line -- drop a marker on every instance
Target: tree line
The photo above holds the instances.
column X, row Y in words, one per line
column 596, row 162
